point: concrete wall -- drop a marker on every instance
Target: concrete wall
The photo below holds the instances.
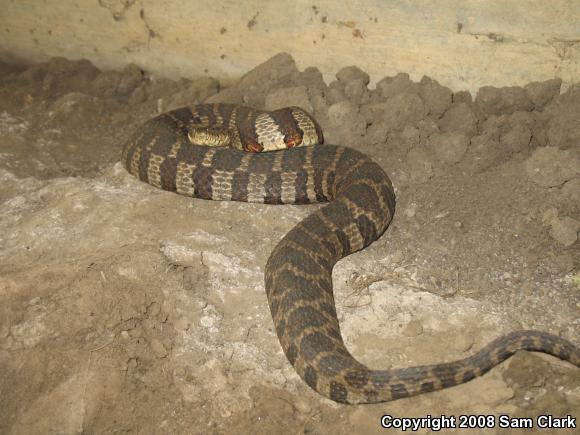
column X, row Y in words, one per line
column 462, row 43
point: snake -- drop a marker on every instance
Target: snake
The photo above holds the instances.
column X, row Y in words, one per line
column 209, row 151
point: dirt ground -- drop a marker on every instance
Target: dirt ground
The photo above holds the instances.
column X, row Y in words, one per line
column 126, row 309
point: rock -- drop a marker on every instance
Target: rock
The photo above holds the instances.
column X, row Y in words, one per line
column 551, row 167
column 565, row 230
column 459, row 117
column 352, row 73
column 391, row 86
column 498, row 101
column 449, row 147
column 542, row 93
column 437, row 98
column 284, row 97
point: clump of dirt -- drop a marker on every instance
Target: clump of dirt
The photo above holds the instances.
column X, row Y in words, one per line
column 125, row 308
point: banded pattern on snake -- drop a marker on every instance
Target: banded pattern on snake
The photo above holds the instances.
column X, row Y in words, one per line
column 298, row 274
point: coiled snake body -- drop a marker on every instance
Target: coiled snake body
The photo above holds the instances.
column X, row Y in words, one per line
column 298, row 274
